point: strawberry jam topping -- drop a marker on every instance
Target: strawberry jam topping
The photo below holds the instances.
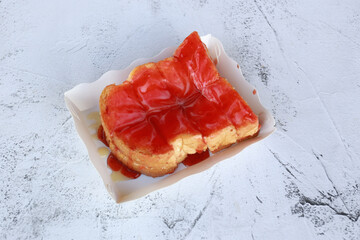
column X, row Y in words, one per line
column 183, row 94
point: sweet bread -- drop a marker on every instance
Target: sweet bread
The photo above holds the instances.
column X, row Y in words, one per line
column 175, row 107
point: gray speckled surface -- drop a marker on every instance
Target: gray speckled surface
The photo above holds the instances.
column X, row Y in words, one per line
column 300, row 183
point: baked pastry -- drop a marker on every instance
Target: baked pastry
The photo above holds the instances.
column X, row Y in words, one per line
column 169, row 109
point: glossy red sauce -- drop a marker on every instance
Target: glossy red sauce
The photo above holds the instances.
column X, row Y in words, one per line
column 183, row 94
column 173, row 122
column 230, row 102
column 101, row 135
column 193, row 159
column 254, row 91
column 206, row 116
column 194, row 55
column 116, row 165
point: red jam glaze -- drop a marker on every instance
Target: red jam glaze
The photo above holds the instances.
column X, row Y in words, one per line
column 151, row 88
column 173, row 122
column 116, row 165
column 193, row 159
column 122, row 108
column 177, row 78
column 101, row 135
column 230, row 102
column 145, row 137
column 206, row 116
column 126, row 117
column 194, row 54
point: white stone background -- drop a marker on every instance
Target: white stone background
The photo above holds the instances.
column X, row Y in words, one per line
column 300, row 183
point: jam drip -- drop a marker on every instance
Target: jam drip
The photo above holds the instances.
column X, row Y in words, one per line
column 193, row 159
column 113, row 163
column 116, row 165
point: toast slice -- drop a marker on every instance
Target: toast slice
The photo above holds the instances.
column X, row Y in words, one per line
column 175, row 107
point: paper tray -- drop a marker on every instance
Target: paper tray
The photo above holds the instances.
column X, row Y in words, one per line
column 84, row 99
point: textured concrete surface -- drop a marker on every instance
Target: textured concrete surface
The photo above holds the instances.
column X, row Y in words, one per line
column 300, row 183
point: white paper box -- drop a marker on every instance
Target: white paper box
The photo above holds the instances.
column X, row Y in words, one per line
column 84, row 99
